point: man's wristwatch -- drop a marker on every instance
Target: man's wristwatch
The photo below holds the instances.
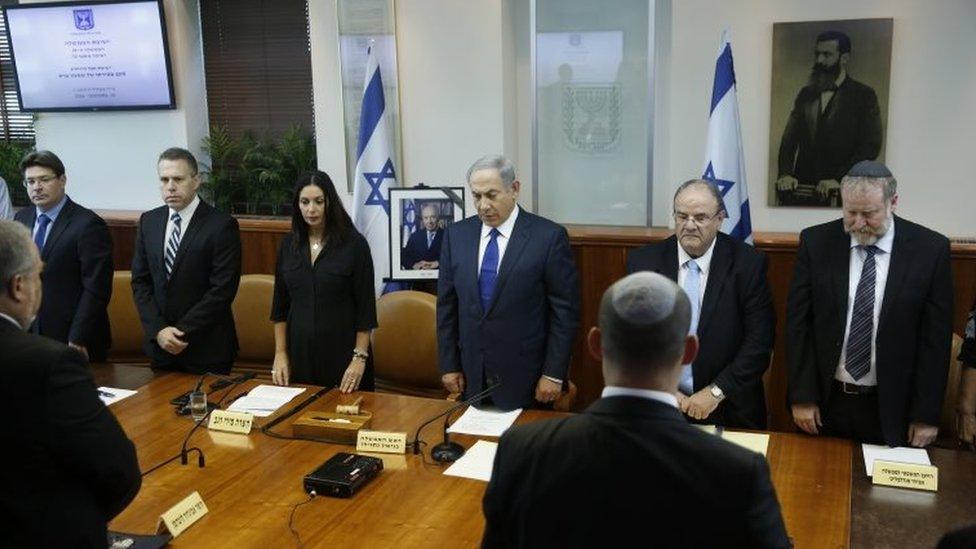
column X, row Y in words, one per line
column 716, row 391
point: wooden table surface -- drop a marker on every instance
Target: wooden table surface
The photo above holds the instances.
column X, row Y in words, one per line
column 251, row 482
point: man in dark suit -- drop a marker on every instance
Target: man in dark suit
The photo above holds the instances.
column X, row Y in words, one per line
column 631, row 471
column 423, row 249
column 77, row 252
column 71, row 468
column 508, row 300
column 185, row 273
column 731, row 304
column 869, row 320
column 835, row 123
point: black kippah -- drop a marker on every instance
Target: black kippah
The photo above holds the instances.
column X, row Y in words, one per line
column 869, row 168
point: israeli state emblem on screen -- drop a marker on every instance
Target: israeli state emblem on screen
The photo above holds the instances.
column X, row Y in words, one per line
column 591, row 117
column 84, row 19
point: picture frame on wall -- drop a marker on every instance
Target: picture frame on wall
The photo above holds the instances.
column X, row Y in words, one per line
column 418, row 218
column 828, row 106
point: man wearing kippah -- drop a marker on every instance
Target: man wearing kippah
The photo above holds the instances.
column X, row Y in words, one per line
column 630, row 471
column 869, row 320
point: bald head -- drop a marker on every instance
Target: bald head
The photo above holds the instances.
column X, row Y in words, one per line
column 644, row 321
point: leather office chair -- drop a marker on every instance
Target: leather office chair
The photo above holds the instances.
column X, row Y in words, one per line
column 123, row 317
column 947, row 424
column 405, row 345
column 255, row 331
column 565, row 401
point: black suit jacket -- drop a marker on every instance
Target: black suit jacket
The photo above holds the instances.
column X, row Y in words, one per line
column 914, row 332
column 70, row 467
column 197, row 298
column 77, row 278
column 417, row 250
column 530, row 325
column 736, row 327
column 628, row 472
column 818, row 146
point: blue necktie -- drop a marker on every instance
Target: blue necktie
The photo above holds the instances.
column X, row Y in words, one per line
column 42, row 223
column 692, row 287
column 173, row 245
column 430, row 239
column 489, row 270
column 857, row 360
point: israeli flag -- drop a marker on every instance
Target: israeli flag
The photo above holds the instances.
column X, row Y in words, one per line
column 375, row 173
column 724, row 163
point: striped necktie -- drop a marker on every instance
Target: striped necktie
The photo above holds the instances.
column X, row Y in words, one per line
column 173, row 245
column 857, row 360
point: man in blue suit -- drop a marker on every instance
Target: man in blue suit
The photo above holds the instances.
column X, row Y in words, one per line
column 508, row 302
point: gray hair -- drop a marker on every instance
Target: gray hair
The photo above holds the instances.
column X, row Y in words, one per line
column 644, row 320
column 712, row 188
column 495, row 162
column 856, row 183
column 15, row 251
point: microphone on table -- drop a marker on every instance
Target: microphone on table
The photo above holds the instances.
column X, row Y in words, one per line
column 223, row 381
column 448, row 451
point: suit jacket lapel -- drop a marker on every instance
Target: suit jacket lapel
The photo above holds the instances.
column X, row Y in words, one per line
column 669, row 259
column 813, row 116
column 840, row 261
column 58, row 227
column 199, row 218
column 717, row 274
column 901, row 254
column 471, row 242
column 516, row 244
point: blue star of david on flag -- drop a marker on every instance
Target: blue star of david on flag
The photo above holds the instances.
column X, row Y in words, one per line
column 375, row 180
column 723, row 185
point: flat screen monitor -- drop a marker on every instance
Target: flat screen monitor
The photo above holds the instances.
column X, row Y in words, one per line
column 74, row 56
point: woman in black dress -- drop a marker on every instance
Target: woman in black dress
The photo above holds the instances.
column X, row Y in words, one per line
column 324, row 304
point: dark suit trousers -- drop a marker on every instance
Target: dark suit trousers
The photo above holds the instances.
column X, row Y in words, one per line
column 854, row 417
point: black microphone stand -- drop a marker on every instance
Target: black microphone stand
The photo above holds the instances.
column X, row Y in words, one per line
column 184, row 451
column 448, row 451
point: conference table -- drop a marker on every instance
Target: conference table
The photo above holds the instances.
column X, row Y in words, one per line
column 252, row 483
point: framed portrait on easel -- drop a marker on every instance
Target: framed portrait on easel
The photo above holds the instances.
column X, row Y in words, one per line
column 418, row 218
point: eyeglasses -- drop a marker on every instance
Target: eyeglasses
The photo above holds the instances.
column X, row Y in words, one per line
column 698, row 219
column 36, row 181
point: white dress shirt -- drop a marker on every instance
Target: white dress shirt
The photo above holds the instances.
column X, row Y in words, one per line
column 660, row 396
column 505, row 230
column 11, row 319
column 185, row 215
column 704, row 263
column 882, row 260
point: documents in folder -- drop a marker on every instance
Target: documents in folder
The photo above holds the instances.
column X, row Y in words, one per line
column 484, row 423
column 900, row 454
column 476, row 462
column 264, row 400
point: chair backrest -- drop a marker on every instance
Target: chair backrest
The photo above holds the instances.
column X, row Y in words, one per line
column 405, row 344
column 123, row 317
column 947, row 427
column 252, row 312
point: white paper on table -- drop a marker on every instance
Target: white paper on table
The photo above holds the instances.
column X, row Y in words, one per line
column 484, row 423
column 116, row 394
column 476, row 462
column 264, row 400
column 756, row 442
column 900, row 454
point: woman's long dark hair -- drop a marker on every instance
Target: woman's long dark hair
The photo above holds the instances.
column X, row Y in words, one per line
column 338, row 224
